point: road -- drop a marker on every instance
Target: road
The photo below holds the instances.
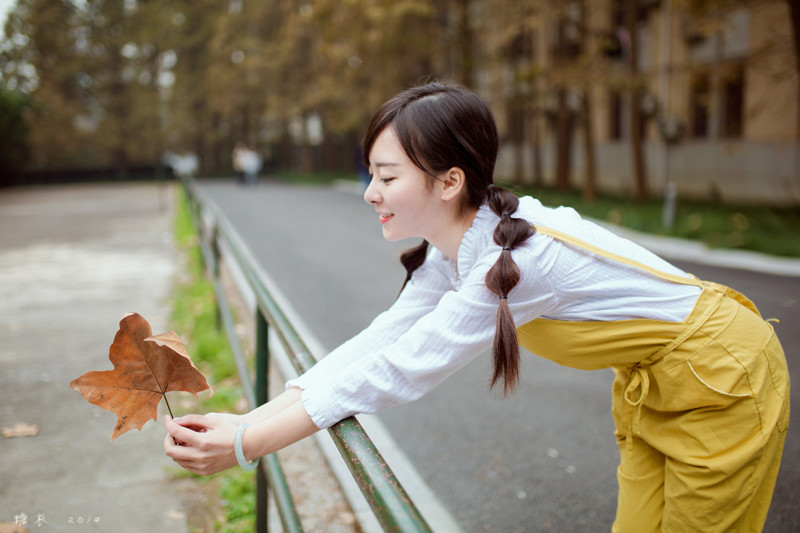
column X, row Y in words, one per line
column 541, row 460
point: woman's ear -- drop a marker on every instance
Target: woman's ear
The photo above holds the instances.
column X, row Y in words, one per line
column 453, row 182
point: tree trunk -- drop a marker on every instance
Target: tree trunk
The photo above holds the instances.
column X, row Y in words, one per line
column 306, row 155
column 515, row 134
column 117, row 109
column 794, row 11
column 217, row 147
column 563, row 142
column 637, row 148
column 563, row 118
column 199, row 137
column 465, row 44
column 587, row 118
column 518, row 164
column 121, row 137
column 199, row 147
column 590, row 185
column 536, row 150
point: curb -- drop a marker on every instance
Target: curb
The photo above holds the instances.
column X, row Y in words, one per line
column 676, row 249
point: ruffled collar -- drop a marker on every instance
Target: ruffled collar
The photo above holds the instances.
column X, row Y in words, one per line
column 475, row 239
column 479, row 237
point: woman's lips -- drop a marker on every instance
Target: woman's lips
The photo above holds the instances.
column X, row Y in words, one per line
column 384, row 218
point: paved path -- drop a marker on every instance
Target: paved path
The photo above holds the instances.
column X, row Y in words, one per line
column 541, row 460
column 73, row 260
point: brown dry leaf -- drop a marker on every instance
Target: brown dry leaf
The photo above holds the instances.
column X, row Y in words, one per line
column 175, row 514
column 21, row 429
column 10, row 527
column 145, row 368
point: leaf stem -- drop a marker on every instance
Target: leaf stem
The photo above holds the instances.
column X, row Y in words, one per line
column 164, row 394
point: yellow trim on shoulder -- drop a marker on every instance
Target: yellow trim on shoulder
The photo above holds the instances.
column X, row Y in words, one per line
column 610, row 255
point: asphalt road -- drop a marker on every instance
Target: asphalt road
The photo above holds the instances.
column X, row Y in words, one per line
column 541, row 460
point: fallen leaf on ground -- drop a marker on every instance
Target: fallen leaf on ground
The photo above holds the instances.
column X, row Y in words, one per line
column 145, row 368
column 175, row 514
column 21, row 429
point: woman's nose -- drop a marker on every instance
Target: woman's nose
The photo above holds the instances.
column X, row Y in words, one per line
column 371, row 195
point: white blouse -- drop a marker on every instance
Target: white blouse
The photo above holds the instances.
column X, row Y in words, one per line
column 446, row 316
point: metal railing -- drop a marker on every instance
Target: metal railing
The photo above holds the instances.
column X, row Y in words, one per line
column 390, row 503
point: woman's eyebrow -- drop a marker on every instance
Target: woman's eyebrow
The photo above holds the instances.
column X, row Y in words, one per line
column 379, row 164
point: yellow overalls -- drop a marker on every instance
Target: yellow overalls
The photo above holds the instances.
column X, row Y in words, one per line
column 701, row 407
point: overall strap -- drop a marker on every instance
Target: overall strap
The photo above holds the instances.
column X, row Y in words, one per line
column 616, row 257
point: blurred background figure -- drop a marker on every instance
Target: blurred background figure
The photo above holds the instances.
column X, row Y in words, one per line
column 236, row 161
column 250, row 162
column 182, row 164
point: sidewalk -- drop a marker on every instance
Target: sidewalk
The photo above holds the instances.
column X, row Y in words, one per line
column 73, row 260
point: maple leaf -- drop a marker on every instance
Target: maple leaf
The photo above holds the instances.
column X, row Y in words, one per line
column 146, row 367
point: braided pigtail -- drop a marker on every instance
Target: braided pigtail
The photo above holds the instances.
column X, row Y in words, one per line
column 412, row 259
column 501, row 278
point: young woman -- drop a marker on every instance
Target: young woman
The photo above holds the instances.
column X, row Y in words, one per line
column 701, row 394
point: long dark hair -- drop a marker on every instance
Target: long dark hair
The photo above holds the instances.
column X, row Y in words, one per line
column 444, row 126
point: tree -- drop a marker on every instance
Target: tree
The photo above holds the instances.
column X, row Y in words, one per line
column 565, row 51
column 635, row 99
column 512, row 53
column 150, row 35
column 14, row 148
column 41, row 60
column 189, row 121
column 111, row 80
column 587, row 109
column 794, row 13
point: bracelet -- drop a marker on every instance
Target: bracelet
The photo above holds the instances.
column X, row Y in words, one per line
column 237, row 449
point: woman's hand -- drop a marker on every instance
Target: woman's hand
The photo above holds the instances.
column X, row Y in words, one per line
column 231, row 418
column 201, row 444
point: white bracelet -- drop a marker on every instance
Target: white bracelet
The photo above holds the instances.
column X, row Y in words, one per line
column 237, row 449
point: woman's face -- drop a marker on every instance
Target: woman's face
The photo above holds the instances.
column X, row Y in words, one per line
column 406, row 203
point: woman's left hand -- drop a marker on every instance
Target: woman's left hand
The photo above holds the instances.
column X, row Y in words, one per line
column 200, row 444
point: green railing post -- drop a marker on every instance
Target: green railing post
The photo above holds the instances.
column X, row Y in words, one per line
column 262, row 395
column 389, row 502
column 215, row 259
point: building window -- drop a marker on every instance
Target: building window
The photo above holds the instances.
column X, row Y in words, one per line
column 699, row 105
column 732, row 102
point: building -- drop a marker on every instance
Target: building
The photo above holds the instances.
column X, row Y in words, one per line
column 718, row 101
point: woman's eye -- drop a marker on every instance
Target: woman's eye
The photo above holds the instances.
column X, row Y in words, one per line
column 386, row 180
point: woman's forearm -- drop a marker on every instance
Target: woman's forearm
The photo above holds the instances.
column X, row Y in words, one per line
column 272, row 407
column 206, row 444
column 278, row 430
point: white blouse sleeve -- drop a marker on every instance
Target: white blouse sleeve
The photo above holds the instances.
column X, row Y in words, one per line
column 391, row 363
column 419, row 297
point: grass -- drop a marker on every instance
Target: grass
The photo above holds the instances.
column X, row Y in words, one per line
column 746, row 227
column 194, row 317
column 769, row 230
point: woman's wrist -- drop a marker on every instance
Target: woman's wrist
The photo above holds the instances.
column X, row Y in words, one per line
column 277, row 432
column 271, row 408
column 230, row 418
column 239, row 451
